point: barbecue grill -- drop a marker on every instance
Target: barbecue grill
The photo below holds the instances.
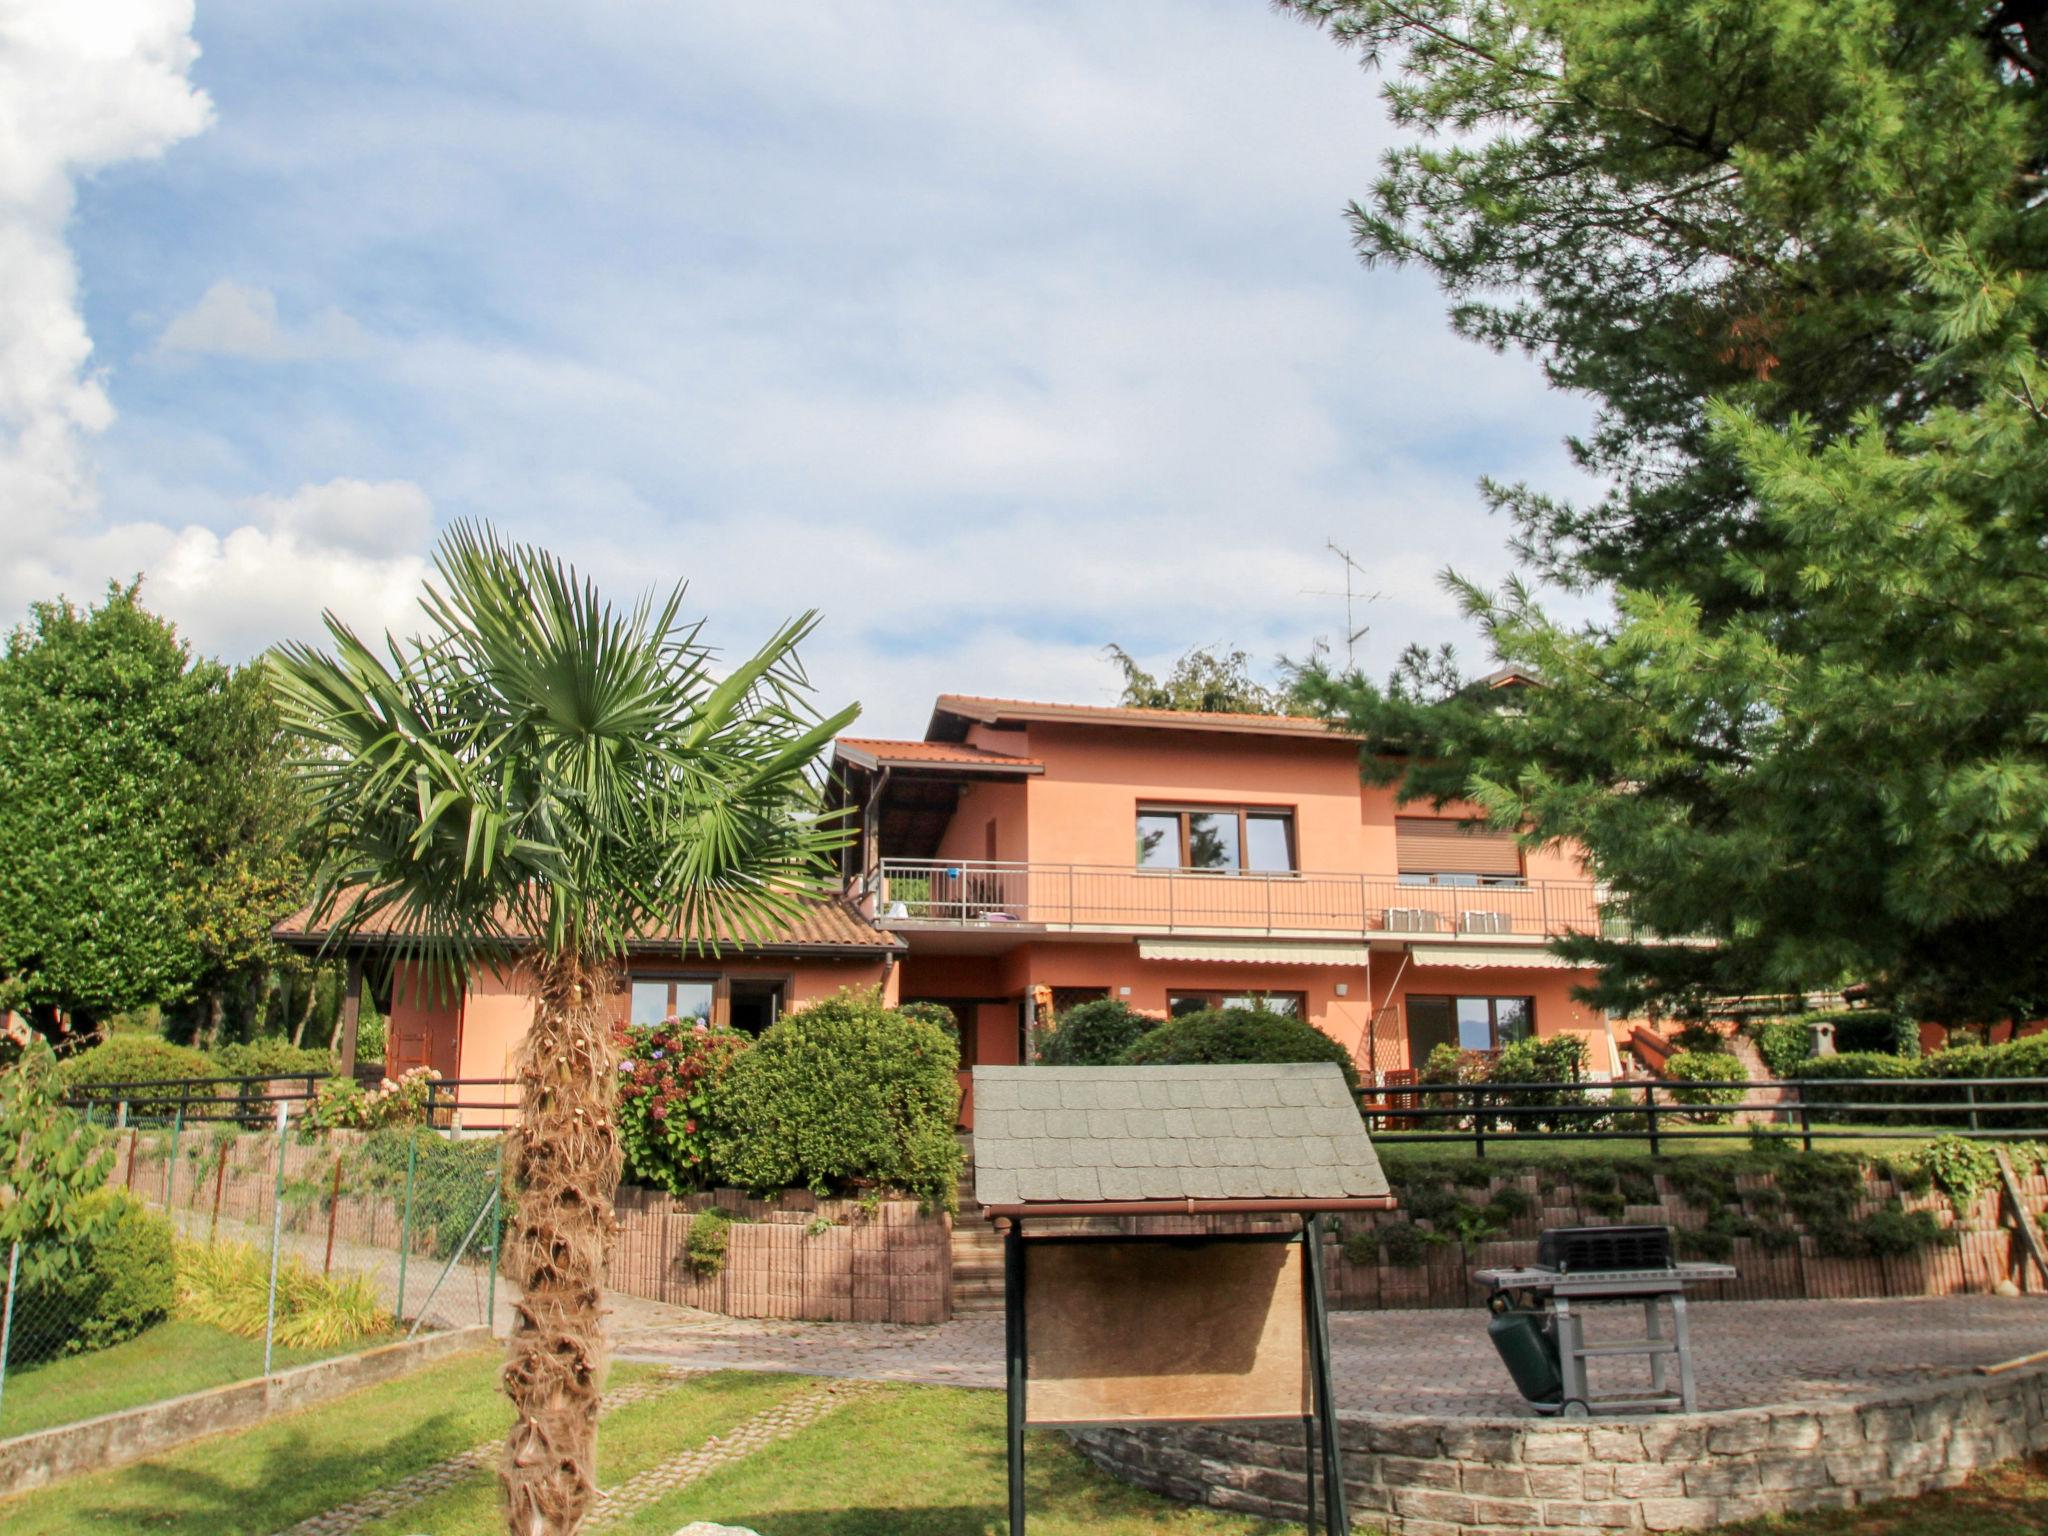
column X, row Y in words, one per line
column 1539, row 1325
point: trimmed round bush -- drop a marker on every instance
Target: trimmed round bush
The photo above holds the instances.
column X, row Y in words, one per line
column 272, row 1056
column 1223, row 1035
column 842, row 1095
column 138, row 1059
column 1784, row 1044
column 1706, row 1068
column 1093, row 1034
column 123, row 1283
column 933, row 1013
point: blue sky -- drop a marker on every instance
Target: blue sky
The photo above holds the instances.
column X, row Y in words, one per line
column 997, row 332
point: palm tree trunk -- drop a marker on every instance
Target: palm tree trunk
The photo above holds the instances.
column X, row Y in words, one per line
column 566, row 1168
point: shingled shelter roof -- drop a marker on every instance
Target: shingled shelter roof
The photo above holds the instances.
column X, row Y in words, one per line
column 1180, row 1136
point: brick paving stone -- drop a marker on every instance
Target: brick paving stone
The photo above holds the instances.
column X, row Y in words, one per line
column 1439, row 1364
column 357, row 1513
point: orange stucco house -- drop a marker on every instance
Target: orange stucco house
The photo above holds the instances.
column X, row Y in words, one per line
column 1024, row 857
column 1030, row 856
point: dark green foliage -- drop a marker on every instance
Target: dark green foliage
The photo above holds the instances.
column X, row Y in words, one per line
column 451, row 1183
column 844, row 1094
column 2017, row 1058
column 1557, row 1059
column 51, row 1162
column 669, row 1102
column 1960, row 1167
column 1711, row 1243
column 1400, row 1243
column 1428, row 1202
column 1702, row 1038
column 1784, row 1044
column 271, row 1056
column 120, row 1281
column 1877, row 1030
column 1212, row 681
column 933, row 1013
column 706, row 1242
column 1362, row 1246
column 1513, row 1202
column 1216, row 1035
column 136, row 1059
column 145, row 818
column 1793, row 252
column 1895, row 1231
column 1606, row 1202
column 1706, row 1068
column 1093, row 1034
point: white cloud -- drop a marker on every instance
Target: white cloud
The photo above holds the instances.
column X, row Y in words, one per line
column 235, row 319
column 83, row 87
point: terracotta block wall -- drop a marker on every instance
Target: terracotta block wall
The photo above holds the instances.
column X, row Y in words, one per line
column 888, row 1264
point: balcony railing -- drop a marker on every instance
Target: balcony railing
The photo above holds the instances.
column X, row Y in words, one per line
column 924, row 893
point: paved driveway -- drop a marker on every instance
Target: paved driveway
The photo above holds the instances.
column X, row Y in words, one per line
column 1747, row 1354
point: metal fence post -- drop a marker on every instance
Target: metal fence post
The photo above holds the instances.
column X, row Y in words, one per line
column 276, row 1239
column 7, row 1315
column 1805, row 1117
column 497, row 1236
column 171, row 1161
column 412, row 1154
column 1650, row 1109
column 1970, row 1097
column 1479, row 1122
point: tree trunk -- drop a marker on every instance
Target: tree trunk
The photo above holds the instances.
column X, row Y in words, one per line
column 565, row 1161
column 214, row 1007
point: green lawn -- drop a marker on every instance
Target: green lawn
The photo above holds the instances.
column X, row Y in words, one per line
column 1410, row 1158
column 169, row 1360
column 906, row 1461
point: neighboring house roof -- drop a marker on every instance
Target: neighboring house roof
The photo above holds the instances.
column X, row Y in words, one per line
column 954, row 712
column 829, row 926
column 1087, row 1135
column 869, row 752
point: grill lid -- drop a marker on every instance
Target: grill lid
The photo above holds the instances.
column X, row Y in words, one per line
column 1580, row 1250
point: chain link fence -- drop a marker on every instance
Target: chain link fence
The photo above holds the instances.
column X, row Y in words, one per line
column 237, row 1243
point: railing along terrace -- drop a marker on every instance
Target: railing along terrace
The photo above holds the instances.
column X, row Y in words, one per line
column 977, row 893
column 252, row 1101
column 1661, row 1110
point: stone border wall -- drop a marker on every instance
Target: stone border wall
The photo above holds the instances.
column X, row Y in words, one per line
column 794, row 1257
column 1667, row 1472
column 1983, row 1253
column 114, row 1439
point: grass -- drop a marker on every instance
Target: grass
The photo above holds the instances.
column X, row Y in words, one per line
column 1410, row 1157
column 169, row 1360
column 907, row 1461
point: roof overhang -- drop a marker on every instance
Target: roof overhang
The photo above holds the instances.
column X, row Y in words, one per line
column 900, row 757
column 953, row 713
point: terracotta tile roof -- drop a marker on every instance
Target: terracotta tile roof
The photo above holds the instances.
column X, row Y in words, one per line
column 831, row 924
column 966, row 706
column 872, row 751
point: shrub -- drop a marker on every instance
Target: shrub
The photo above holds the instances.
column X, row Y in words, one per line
column 1959, row 1166
column 705, row 1245
column 452, row 1181
column 1705, row 1068
column 1223, row 1035
column 1401, row 1243
column 228, row 1286
column 341, row 1104
column 137, row 1059
column 1093, row 1034
column 1701, row 1039
column 121, row 1283
column 1876, row 1030
column 668, row 1098
column 1558, row 1059
column 272, row 1056
column 844, row 1093
column 934, row 1013
column 1783, row 1044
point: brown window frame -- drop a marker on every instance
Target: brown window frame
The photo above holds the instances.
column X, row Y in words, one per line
column 1212, row 997
column 1181, row 810
column 1493, row 1000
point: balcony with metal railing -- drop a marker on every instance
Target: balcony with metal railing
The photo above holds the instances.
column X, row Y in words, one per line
column 913, row 894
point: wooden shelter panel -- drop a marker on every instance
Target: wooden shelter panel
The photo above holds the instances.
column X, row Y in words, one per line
column 1124, row 1332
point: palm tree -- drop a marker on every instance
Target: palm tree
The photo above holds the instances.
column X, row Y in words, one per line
column 545, row 780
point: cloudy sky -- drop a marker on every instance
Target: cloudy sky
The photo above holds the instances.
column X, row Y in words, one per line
column 995, row 331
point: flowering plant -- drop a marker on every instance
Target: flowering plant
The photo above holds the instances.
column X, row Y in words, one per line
column 341, row 1104
column 668, row 1084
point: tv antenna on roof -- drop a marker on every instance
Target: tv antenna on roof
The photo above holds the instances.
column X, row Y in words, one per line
column 1353, row 596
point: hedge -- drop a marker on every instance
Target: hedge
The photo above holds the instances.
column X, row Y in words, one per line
column 1222, row 1035
column 843, row 1095
column 124, row 1284
column 1093, row 1034
column 138, row 1059
column 2016, row 1058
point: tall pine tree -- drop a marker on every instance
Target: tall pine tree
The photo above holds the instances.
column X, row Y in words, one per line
column 1793, row 251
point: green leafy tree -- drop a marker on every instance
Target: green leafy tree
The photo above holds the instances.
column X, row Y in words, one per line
column 543, row 765
column 53, row 1163
column 1215, row 681
column 1793, row 252
column 145, row 816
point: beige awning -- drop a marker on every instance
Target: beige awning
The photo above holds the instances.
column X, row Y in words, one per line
column 1474, row 957
column 1251, row 952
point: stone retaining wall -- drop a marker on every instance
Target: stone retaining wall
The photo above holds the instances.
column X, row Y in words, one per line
column 795, row 1257
column 1668, row 1472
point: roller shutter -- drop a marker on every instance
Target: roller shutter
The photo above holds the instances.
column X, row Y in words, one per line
column 1440, row 845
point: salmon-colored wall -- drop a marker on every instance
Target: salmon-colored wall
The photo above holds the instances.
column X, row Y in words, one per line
column 1345, row 1018
column 422, row 1026
column 1082, row 808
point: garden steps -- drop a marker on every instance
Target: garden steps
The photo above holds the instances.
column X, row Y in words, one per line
column 977, row 1251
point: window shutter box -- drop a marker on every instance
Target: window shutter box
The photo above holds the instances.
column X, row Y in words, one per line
column 1440, row 845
